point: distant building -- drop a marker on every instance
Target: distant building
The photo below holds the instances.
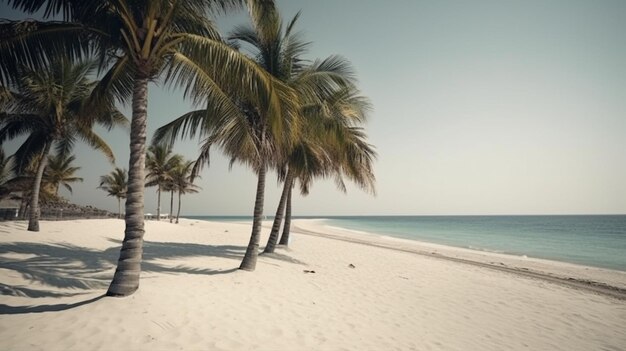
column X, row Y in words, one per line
column 9, row 209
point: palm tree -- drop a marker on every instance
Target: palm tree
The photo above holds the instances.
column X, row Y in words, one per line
column 307, row 159
column 160, row 162
column 319, row 85
column 60, row 172
column 138, row 42
column 54, row 108
column 169, row 186
column 182, row 182
column 252, row 136
column 332, row 146
column 115, row 184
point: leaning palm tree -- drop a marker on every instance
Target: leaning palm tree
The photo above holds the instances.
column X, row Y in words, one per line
column 332, row 146
column 115, row 184
column 320, row 87
column 160, row 162
column 54, row 108
column 137, row 42
column 60, row 172
column 307, row 159
column 182, row 182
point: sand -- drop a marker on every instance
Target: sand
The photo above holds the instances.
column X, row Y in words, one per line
column 398, row 296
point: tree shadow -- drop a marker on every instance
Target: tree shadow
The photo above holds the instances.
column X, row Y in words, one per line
column 281, row 257
column 156, row 254
column 6, row 309
column 34, row 293
column 67, row 266
column 63, row 270
column 60, row 266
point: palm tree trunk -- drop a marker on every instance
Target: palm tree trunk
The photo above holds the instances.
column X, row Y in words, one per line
column 284, row 239
column 273, row 239
column 119, row 207
column 249, row 260
column 33, row 218
column 178, row 212
column 171, row 205
column 159, row 202
column 126, row 278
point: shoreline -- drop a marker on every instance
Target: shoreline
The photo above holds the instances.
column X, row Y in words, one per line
column 563, row 241
column 589, row 285
column 599, row 280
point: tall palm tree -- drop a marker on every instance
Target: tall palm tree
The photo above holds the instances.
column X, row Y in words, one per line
column 253, row 136
column 160, row 162
column 137, row 42
column 115, row 184
column 54, row 108
column 182, row 182
column 60, row 172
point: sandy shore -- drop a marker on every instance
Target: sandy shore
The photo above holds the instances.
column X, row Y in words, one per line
column 400, row 295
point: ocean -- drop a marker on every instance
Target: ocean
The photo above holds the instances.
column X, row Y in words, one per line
column 592, row 240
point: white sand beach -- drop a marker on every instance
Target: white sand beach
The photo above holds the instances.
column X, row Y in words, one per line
column 402, row 296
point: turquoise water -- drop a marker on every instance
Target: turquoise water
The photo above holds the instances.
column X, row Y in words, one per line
column 598, row 241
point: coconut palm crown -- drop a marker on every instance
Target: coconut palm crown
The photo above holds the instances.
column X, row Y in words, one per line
column 115, row 184
column 182, row 182
column 60, row 171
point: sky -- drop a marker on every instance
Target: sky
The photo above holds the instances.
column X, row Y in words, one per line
column 483, row 107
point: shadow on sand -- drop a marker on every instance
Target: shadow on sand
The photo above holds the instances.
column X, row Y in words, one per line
column 61, row 267
column 6, row 309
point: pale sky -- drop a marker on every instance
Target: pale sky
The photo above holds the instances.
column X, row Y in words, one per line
column 480, row 107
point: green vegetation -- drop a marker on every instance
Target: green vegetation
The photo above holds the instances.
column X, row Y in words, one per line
column 160, row 163
column 263, row 103
column 53, row 108
column 60, row 172
column 115, row 184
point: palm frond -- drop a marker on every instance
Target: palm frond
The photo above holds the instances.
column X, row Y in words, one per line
column 96, row 143
column 35, row 43
column 30, row 150
column 118, row 82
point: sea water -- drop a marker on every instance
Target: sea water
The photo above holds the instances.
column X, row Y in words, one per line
column 593, row 240
column 598, row 241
